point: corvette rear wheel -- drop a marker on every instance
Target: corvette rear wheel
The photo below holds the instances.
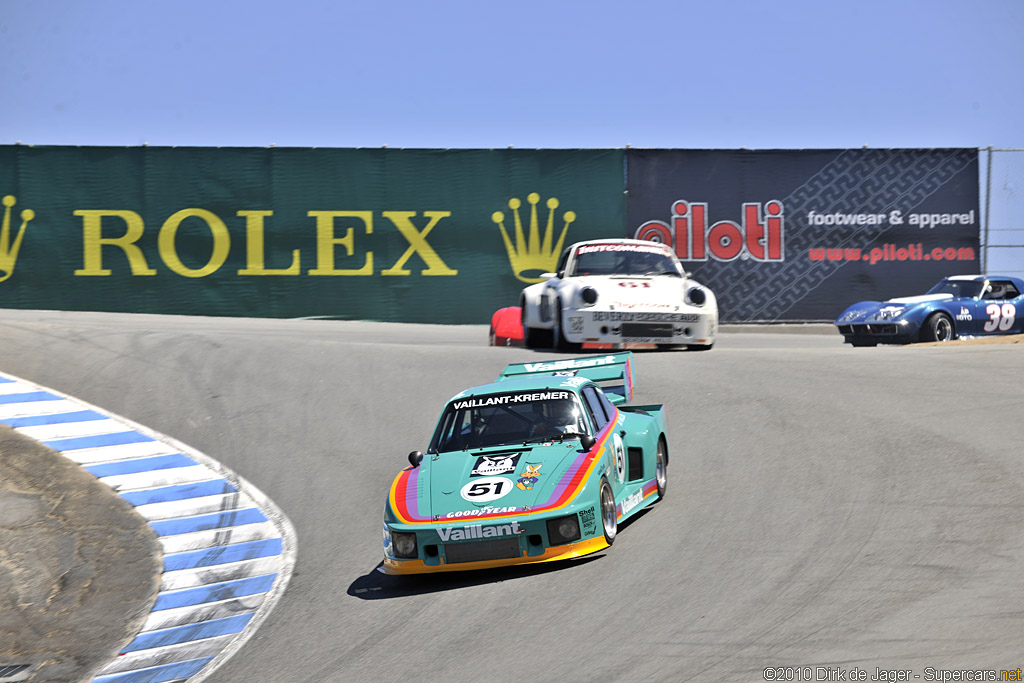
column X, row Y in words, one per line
column 608, row 520
column 938, row 328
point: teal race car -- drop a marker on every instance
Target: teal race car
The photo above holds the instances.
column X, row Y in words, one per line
column 540, row 465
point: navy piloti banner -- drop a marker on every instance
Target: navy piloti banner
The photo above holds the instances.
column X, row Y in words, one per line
column 799, row 235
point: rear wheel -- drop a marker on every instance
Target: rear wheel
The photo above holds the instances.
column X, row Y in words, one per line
column 534, row 337
column 561, row 343
column 661, row 468
column 938, row 328
column 608, row 520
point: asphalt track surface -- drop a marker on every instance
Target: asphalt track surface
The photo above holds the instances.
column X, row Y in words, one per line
column 827, row 506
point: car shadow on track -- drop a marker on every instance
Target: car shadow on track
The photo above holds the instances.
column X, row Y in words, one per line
column 376, row 585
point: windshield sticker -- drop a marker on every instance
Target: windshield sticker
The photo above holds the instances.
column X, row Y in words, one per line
column 490, row 465
column 506, row 399
column 639, row 248
column 529, row 477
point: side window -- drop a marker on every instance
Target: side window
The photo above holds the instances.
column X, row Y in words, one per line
column 595, row 407
column 1007, row 288
column 609, row 407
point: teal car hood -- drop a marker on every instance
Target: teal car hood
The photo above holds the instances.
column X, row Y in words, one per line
column 468, row 484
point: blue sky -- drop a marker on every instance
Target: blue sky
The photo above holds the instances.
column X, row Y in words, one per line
column 571, row 74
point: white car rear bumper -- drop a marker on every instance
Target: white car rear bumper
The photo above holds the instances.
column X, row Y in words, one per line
column 640, row 327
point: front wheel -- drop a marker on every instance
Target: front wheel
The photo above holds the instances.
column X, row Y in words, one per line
column 938, row 328
column 608, row 520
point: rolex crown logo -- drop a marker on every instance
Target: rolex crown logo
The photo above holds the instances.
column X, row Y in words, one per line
column 9, row 250
column 533, row 254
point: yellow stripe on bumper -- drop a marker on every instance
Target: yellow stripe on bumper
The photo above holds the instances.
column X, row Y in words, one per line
column 561, row 552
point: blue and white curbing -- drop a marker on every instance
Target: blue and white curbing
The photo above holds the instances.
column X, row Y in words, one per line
column 228, row 551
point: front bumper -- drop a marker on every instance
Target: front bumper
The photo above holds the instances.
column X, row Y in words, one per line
column 564, row 552
column 491, row 542
column 880, row 332
column 640, row 327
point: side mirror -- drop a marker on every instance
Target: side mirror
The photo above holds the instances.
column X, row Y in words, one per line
column 415, row 458
column 548, row 276
column 587, row 441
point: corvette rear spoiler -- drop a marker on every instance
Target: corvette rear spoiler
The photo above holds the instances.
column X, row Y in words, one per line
column 613, row 371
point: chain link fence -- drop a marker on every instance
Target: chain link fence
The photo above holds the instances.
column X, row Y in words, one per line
column 1002, row 203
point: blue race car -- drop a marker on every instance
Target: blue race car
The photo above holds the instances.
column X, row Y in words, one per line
column 958, row 307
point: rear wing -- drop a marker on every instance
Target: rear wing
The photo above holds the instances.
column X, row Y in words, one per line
column 613, row 372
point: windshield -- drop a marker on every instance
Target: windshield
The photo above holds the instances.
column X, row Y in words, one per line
column 966, row 289
column 505, row 419
column 624, row 259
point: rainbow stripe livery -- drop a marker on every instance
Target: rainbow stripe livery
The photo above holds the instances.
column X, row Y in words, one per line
column 540, row 465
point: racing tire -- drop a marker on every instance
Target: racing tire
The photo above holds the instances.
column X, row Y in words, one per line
column 561, row 343
column 609, row 523
column 661, row 468
column 938, row 328
column 534, row 337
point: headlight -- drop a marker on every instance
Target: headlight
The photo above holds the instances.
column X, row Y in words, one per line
column 588, row 295
column 889, row 313
column 696, row 296
column 404, row 544
column 562, row 530
column 850, row 315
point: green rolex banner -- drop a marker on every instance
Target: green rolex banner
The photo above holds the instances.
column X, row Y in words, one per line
column 444, row 236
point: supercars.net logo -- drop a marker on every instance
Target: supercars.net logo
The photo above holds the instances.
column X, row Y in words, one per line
column 532, row 253
column 9, row 250
column 758, row 237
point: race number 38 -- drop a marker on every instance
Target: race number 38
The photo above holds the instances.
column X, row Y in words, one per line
column 1000, row 317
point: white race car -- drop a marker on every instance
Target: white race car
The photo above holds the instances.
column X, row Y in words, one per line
column 618, row 291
